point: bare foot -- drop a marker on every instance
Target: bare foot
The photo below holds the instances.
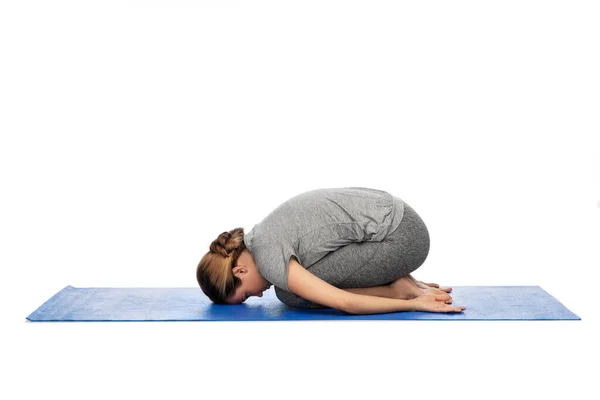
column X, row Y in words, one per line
column 423, row 285
column 405, row 289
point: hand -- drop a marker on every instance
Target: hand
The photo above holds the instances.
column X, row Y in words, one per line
column 405, row 288
column 432, row 291
column 430, row 302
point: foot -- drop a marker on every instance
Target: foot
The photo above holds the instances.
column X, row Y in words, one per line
column 405, row 288
column 423, row 285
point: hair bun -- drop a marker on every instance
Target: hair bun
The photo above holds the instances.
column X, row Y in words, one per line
column 228, row 242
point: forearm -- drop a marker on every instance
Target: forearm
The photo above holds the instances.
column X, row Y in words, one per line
column 366, row 304
column 381, row 291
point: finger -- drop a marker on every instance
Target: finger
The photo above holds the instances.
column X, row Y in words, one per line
column 435, row 285
column 446, row 289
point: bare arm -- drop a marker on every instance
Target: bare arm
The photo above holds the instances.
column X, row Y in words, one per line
column 310, row 287
column 429, row 302
column 366, row 304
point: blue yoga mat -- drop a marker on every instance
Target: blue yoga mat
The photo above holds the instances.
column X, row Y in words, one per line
column 190, row 304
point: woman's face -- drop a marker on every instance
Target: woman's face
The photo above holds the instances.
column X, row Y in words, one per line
column 253, row 284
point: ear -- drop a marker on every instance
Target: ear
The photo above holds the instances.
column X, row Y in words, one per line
column 239, row 269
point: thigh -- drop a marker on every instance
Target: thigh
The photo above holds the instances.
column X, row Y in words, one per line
column 334, row 268
column 368, row 264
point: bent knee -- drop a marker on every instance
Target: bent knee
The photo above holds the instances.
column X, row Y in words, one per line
column 293, row 300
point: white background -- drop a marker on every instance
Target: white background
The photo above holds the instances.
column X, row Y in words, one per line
column 134, row 132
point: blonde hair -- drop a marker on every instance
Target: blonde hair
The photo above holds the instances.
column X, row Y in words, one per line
column 215, row 270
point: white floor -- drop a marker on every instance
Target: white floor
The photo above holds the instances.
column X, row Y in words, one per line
column 257, row 360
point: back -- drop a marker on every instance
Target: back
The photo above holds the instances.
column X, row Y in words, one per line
column 314, row 223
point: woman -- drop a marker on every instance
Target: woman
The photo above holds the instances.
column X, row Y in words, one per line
column 351, row 249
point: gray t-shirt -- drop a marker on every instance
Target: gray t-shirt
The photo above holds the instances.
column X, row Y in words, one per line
column 315, row 223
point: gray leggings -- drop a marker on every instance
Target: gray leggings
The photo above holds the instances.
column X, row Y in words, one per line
column 367, row 264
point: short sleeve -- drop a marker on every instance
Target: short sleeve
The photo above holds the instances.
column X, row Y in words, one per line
column 272, row 258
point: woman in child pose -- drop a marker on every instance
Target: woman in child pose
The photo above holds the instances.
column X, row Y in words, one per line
column 351, row 248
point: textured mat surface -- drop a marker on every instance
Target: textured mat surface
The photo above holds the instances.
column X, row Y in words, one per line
column 190, row 304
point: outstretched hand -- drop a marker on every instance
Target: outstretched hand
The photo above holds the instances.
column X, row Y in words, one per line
column 432, row 302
